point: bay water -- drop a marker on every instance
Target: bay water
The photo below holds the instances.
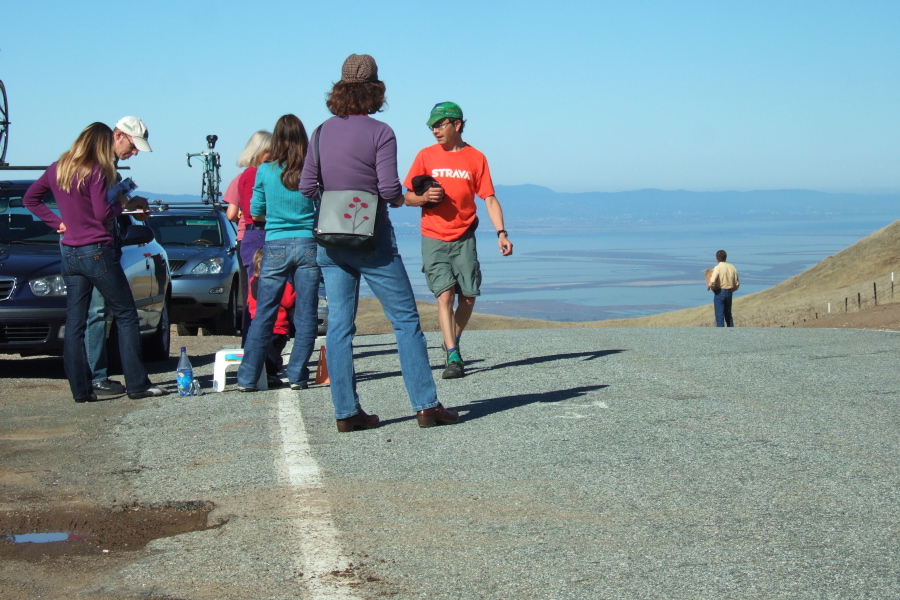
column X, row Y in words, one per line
column 640, row 268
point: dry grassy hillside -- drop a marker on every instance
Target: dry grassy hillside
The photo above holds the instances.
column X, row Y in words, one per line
column 848, row 280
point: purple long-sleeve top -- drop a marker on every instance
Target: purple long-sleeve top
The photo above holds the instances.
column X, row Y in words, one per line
column 85, row 210
column 357, row 153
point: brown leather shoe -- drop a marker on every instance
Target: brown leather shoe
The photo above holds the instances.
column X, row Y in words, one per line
column 436, row 416
column 358, row 421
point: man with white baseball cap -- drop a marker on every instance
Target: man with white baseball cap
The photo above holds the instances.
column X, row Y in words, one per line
column 129, row 137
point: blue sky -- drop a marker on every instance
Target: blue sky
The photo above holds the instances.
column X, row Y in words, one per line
column 574, row 96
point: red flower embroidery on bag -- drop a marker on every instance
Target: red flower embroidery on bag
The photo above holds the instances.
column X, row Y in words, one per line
column 357, row 205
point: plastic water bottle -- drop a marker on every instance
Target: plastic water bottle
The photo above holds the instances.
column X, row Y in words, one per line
column 185, row 374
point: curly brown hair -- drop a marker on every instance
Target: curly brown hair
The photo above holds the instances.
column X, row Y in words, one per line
column 356, row 98
column 288, row 149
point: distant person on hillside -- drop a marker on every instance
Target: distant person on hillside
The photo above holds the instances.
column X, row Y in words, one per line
column 444, row 180
column 723, row 281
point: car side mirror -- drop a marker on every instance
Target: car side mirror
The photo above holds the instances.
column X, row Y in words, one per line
column 136, row 235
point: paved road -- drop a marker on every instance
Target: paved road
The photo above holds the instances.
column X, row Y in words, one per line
column 589, row 463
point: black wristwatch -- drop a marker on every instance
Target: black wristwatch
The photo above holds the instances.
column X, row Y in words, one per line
column 502, row 231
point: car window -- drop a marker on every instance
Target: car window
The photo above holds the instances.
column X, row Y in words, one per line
column 186, row 230
column 18, row 225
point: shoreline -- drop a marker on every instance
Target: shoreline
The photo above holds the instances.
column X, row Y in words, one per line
column 370, row 319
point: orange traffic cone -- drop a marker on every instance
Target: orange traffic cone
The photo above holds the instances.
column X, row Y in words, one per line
column 322, row 368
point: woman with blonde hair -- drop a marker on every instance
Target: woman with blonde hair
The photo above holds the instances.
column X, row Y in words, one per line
column 80, row 181
column 237, row 196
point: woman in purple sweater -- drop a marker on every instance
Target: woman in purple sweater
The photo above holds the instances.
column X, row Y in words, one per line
column 360, row 153
column 79, row 181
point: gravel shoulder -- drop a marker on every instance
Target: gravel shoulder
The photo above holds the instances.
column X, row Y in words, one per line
column 615, row 463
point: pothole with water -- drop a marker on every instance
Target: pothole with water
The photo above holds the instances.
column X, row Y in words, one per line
column 87, row 529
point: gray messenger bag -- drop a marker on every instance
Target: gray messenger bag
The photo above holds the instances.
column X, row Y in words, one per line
column 347, row 219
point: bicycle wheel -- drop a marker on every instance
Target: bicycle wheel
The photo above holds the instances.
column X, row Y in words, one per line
column 211, row 179
column 4, row 124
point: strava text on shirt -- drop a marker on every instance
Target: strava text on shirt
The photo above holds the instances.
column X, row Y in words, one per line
column 454, row 173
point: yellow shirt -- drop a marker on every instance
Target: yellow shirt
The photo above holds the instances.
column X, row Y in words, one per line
column 725, row 277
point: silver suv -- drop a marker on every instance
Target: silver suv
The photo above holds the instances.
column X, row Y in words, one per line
column 201, row 243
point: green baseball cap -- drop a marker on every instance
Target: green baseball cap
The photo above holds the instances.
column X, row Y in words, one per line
column 444, row 110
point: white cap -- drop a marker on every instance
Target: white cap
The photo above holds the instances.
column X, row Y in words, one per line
column 137, row 130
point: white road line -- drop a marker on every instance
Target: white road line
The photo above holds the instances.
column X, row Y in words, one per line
column 326, row 571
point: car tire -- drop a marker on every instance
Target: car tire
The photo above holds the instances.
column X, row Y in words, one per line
column 226, row 322
column 157, row 346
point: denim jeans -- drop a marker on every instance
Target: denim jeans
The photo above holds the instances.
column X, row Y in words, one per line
column 84, row 268
column 95, row 337
column 292, row 259
column 722, row 306
column 95, row 334
column 384, row 272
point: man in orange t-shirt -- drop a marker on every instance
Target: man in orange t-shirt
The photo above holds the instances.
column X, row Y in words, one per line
column 444, row 180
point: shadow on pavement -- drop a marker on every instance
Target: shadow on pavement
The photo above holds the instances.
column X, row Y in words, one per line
column 490, row 406
column 536, row 360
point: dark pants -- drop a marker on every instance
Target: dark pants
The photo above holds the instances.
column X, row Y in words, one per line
column 274, row 362
column 722, row 306
column 245, row 313
column 84, row 268
column 253, row 240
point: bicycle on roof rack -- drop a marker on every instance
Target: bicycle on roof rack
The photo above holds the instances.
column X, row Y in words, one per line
column 4, row 138
column 209, row 192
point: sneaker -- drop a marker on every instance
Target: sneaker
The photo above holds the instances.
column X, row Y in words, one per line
column 149, row 393
column 247, row 389
column 83, row 399
column 454, row 371
column 299, row 386
column 274, row 382
column 108, row 387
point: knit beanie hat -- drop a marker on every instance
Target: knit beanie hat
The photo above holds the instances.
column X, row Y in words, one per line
column 359, row 68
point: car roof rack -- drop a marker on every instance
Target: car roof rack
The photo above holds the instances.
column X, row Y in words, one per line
column 37, row 168
column 160, row 205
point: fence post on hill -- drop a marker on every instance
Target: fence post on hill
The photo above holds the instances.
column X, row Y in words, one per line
column 875, row 292
column 846, row 304
column 892, row 285
column 858, row 301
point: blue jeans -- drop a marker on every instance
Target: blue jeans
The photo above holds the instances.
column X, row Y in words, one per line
column 384, row 272
column 722, row 306
column 95, row 337
column 292, row 259
column 84, row 268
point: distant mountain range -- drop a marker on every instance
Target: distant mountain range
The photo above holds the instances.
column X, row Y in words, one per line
column 534, row 208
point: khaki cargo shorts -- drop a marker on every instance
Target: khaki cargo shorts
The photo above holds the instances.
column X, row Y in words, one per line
column 450, row 265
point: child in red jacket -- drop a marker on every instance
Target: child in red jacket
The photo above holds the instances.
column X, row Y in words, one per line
column 274, row 362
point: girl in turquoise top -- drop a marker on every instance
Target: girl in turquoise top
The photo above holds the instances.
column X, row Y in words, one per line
column 289, row 254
